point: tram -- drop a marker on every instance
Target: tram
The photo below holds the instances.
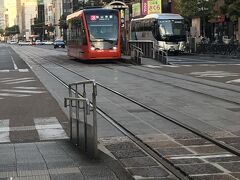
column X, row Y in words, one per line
column 167, row 30
column 94, row 34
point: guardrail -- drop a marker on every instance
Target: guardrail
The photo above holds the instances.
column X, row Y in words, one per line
column 136, row 54
column 148, row 49
column 160, row 55
column 83, row 132
column 145, row 45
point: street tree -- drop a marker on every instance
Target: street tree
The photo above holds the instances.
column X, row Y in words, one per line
column 232, row 9
column 1, row 32
column 197, row 8
column 11, row 31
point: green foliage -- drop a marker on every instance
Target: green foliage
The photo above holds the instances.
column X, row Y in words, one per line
column 232, row 9
column 38, row 26
column 62, row 22
column 196, row 8
column 1, row 31
column 12, row 30
column 50, row 28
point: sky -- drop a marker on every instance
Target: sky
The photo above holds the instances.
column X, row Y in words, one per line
column 11, row 11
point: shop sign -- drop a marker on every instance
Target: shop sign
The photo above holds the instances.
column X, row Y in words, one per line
column 136, row 10
column 144, row 7
column 154, row 6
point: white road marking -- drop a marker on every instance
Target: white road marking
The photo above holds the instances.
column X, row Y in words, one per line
column 22, row 91
column 152, row 66
column 4, row 131
column 19, row 79
column 13, row 95
column 23, row 70
column 214, row 74
column 14, row 64
column 4, row 70
column 234, row 81
column 203, row 157
column 18, row 82
column 49, row 128
column 32, row 88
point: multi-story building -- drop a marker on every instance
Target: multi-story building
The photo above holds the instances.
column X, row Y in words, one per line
column 10, row 12
column 57, row 13
column 2, row 20
column 26, row 12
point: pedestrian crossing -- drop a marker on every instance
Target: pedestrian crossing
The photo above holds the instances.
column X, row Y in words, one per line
column 48, row 128
column 17, row 87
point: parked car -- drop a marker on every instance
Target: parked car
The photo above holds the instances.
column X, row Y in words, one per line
column 59, row 43
column 24, row 43
column 12, row 42
column 47, row 42
column 38, row 42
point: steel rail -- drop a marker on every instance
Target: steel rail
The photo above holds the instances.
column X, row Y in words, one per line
column 146, row 148
column 183, row 125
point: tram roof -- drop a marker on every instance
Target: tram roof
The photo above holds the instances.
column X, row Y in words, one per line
column 161, row 16
column 78, row 13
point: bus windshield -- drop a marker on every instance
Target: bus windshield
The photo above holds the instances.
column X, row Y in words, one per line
column 168, row 27
column 102, row 26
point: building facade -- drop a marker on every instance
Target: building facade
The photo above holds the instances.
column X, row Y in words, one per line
column 2, row 19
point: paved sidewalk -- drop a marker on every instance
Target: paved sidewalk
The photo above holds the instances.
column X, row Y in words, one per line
column 55, row 160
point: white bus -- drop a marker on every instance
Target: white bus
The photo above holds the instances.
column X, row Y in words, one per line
column 166, row 30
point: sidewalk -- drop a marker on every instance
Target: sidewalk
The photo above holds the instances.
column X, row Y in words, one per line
column 55, row 160
column 34, row 143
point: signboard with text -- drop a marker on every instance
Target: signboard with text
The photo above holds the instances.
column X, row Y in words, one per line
column 154, row 6
column 136, row 9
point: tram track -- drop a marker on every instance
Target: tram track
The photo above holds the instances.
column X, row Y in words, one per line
column 146, row 147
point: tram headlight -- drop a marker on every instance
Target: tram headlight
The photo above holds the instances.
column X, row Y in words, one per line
column 92, row 48
column 114, row 48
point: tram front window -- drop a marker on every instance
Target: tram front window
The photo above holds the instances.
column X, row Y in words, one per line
column 103, row 27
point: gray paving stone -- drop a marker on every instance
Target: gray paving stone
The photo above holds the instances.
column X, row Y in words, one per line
column 186, row 161
column 236, row 175
column 173, row 151
column 60, row 164
column 101, row 178
column 229, row 140
column 7, row 167
column 209, row 149
column 96, row 171
column 128, row 154
column 223, row 159
column 66, row 170
column 138, row 162
column 69, row 176
column 164, row 144
column 119, row 171
column 199, row 169
column 193, row 142
column 6, row 174
column 148, row 172
column 214, row 177
column 121, row 146
column 42, row 177
column 183, row 136
column 231, row 166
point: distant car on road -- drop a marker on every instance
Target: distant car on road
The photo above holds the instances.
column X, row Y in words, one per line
column 59, row 43
column 38, row 42
column 24, row 43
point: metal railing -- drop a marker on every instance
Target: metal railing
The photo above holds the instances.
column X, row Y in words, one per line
column 145, row 45
column 83, row 132
column 148, row 50
column 160, row 55
column 136, row 54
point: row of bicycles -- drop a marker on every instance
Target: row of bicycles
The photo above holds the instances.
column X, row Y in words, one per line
column 221, row 49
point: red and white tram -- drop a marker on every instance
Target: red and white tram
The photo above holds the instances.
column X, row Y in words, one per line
column 94, row 34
